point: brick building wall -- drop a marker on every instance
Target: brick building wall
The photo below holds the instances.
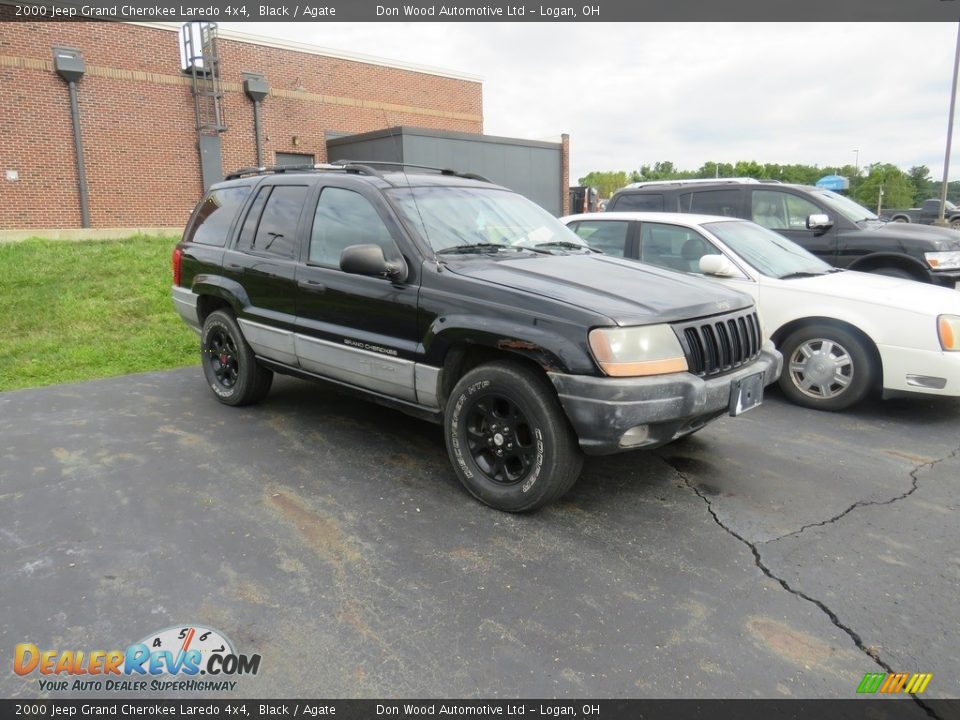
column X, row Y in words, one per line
column 137, row 114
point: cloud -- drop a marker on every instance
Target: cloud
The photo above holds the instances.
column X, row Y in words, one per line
column 635, row 93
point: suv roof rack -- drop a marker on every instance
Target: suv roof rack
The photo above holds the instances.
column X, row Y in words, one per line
column 693, row 181
column 442, row 171
column 349, row 166
column 358, row 168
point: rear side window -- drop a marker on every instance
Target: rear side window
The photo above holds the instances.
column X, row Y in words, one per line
column 215, row 215
column 672, row 247
column 610, row 236
column 712, row 202
column 640, row 201
column 274, row 231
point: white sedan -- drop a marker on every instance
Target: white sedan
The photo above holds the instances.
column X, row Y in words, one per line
column 842, row 333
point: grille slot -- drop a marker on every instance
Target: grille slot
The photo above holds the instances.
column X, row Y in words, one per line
column 719, row 344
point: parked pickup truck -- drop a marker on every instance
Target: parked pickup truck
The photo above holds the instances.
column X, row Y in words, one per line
column 458, row 301
column 925, row 214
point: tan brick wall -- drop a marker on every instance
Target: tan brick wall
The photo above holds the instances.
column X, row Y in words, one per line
column 140, row 142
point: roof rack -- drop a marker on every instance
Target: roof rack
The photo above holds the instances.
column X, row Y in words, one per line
column 693, row 181
column 349, row 167
column 442, row 171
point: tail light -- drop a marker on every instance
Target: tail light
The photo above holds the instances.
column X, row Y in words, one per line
column 177, row 257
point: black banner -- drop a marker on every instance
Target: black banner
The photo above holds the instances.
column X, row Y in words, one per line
column 480, row 10
column 876, row 709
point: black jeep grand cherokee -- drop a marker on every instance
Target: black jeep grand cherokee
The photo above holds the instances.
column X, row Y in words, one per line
column 455, row 300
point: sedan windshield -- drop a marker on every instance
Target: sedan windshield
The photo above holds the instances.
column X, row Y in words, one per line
column 766, row 251
column 455, row 219
column 845, row 206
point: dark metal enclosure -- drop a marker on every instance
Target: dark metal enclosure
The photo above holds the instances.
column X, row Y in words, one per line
column 530, row 167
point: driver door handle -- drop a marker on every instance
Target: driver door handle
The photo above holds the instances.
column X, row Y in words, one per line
column 312, row 285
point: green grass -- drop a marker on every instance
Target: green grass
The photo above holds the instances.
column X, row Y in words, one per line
column 77, row 310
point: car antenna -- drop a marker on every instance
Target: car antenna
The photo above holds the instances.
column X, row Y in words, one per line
column 413, row 195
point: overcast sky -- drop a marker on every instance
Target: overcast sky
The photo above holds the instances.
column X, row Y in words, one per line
column 632, row 94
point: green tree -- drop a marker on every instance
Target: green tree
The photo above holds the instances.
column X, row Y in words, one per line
column 606, row 183
column 748, row 168
column 897, row 188
column 922, row 183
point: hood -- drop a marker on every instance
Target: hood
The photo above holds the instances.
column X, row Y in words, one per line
column 879, row 290
column 924, row 237
column 626, row 292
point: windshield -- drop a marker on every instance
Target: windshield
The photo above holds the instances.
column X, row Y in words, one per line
column 766, row 251
column 845, row 206
column 453, row 217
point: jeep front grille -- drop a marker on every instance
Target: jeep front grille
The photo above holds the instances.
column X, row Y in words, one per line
column 722, row 343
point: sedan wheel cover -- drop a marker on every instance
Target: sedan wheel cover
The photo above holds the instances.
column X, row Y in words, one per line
column 821, row 368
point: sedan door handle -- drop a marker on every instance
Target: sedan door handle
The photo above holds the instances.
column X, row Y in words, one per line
column 312, row 285
column 233, row 266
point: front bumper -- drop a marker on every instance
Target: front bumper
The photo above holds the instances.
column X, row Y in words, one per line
column 602, row 409
column 946, row 278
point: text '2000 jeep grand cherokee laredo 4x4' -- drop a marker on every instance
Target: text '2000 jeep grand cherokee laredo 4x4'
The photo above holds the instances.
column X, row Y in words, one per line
column 462, row 302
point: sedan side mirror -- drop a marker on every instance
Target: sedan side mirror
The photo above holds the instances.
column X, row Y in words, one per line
column 718, row 265
column 819, row 223
column 369, row 260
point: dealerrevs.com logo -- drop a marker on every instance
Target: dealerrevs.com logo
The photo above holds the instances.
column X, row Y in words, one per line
column 172, row 659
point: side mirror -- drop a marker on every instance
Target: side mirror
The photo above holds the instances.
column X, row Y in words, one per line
column 718, row 265
column 819, row 223
column 369, row 260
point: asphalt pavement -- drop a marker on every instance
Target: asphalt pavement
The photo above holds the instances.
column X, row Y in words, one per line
column 784, row 553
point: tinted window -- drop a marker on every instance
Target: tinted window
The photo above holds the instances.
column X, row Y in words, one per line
column 640, row 201
column 346, row 218
column 216, row 213
column 781, row 211
column 249, row 229
column 276, row 233
column 610, row 236
column 672, row 247
column 712, row 202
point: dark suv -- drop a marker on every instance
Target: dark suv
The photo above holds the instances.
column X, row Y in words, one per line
column 831, row 226
column 455, row 300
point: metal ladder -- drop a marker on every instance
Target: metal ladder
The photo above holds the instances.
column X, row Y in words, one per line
column 203, row 65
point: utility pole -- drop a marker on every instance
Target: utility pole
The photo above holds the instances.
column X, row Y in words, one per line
column 941, row 221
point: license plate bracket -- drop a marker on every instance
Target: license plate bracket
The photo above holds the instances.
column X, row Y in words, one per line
column 746, row 394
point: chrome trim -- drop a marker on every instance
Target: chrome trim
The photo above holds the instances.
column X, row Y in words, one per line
column 927, row 381
column 427, row 381
column 270, row 342
column 374, row 371
column 185, row 303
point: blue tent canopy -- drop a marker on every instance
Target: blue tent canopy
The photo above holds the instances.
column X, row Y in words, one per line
column 833, row 182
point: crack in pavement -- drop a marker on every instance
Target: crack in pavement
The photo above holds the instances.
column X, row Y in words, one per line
column 914, row 486
column 758, row 561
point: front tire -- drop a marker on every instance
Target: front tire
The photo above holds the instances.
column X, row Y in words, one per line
column 231, row 369
column 508, row 439
column 826, row 368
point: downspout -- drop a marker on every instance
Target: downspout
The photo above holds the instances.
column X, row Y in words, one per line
column 70, row 66
column 256, row 88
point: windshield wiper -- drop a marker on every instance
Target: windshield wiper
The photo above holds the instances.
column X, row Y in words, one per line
column 566, row 245
column 476, row 248
column 800, row 274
